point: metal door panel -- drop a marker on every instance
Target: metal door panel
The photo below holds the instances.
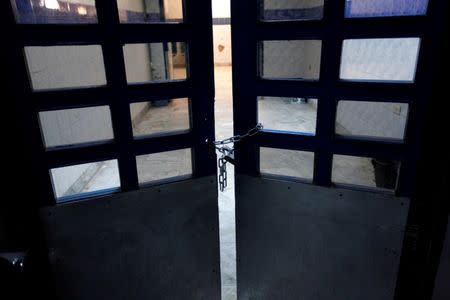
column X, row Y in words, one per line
column 157, row 243
column 296, row 240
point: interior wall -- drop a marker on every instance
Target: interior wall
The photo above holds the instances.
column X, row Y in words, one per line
column 221, row 32
column 222, row 45
column 221, row 8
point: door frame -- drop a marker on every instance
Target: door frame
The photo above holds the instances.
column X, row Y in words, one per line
column 196, row 31
column 247, row 30
column 332, row 29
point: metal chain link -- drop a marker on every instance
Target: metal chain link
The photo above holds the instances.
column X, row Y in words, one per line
column 237, row 138
column 228, row 153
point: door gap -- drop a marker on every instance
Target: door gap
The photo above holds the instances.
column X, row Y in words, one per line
column 224, row 129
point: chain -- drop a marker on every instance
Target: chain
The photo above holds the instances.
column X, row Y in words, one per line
column 228, row 153
column 237, row 138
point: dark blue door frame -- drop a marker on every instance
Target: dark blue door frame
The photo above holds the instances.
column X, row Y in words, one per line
column 196, row 31
column 247, row 31
column 332, row 29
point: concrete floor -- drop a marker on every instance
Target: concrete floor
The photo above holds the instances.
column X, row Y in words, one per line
column 224, row 129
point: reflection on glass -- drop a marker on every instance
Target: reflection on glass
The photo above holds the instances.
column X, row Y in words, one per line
column 363, row 171
column 155, row 62
column 164, row 165
column 57, row 67
column 299, row 59
column 150, row 11
column 371, row 119
column 160, row 116
column 82, row 180
column 288, row 114
column 384, row 8
column 380, row 59
column 276, row 10
column 54, row 11
column 291, row 163
column 76, row 126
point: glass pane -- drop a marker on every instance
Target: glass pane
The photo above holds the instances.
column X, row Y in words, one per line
column 150, row 11
column 371, row 119
column 380, row 59
column 279, row 10
column 290, row 59
column 288, row 114
column 363, row 171
column 384, row 8
column 81, row 180
column 54, row 11
column 59, row 67
column 76, row 126
column 160, row 116
column 155, row 62
column 291, row 163
column 164, row 165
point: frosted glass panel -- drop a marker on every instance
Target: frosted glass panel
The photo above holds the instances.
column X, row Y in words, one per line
column 76, row 126
column 384, row 8
column 371, row 119
column 57, row 67
column 380, row 59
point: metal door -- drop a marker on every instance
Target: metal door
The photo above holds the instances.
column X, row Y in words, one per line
column 137, row 234
column 305, row 228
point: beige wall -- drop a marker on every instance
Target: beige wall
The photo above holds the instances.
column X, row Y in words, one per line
column 173, row 9
column 222, row 45
column 221, row 8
